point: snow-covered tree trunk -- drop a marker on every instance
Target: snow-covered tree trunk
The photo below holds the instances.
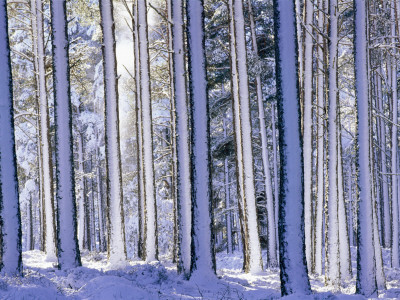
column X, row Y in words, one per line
column 333, row 258
column 395, row 201
column 385, row 178
column 92, row 208
column 275, row 165
column 139, row 139
column 244, row 149
column 46, row 159
column 380, row 275
column 182, row 139
column 366, row 272
column 320, row 197
column 203, row 259
column 67, row 246
column 31, row 241
column 308, row 128
column 271, row 230
column 150, row 210
column 81, row 193
column 238, row 139
column 300, row 49
column 115, row 213
column 350, row 204
column 174, row 162
column 293, row 267
column 11, row 235
column 101, row 208
column 34, row 33
column 228, row 197
column 344, row 246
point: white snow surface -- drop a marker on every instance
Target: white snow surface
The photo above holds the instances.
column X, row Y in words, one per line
column 159, row 280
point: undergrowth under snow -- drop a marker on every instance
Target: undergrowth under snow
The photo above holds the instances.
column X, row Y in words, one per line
column 138, row 280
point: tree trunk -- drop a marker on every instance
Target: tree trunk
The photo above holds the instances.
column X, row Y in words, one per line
column 386, row 236
column 319, row 213
column 116, row 227
column 344, row 246
column 150, row 209
column 333, row 258
column 276, row 186
column 271, row 230
column 293, row 267
column 174, row 162
column 307, row 129
column 139, row 139
column 366, row 273
column 203, row 259
column 228, row 214
column 182, row 139
column 48, row 199
column 81, row 193
column 395, row 203
column 244, row 149
column 67, row 246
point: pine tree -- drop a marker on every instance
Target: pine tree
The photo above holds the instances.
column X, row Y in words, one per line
column 67, row 242
column 395, row 183
column 182, row 138
column 47, row 167
column 11, row 249
column 150, row 234
column 307, row 128
column 333, row 257
column 320, row 93
column 252, row 261
column 366, row 272
column 115, row 213
column 202, row 254
column 294, row 278
column 272, row 253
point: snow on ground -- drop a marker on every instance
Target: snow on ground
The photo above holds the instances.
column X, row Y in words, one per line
column 138, row 280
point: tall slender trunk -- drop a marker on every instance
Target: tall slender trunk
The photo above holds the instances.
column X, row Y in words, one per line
column 115, row 210
column 174, row 162
column 150, row 209
column 366, row 272
column 293, row 266
column 81, row 193
column 67, row 246
column 275, row 164
column 139, row 139
column 238, row 140
column 38, row 130
column 333, row 258
column 244, row 149
column 385, row 189
column 100, row 205
column 271, row 230
column 308, row 128
column 228, row 214
column 350, row 204
column 46, row 159
column 319, row 213
column 182, row 139
column 203, row 258
column 344, row 247
column 395, row 201
column 300, row 49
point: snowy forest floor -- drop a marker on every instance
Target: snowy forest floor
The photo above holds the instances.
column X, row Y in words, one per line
column 138, row 280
